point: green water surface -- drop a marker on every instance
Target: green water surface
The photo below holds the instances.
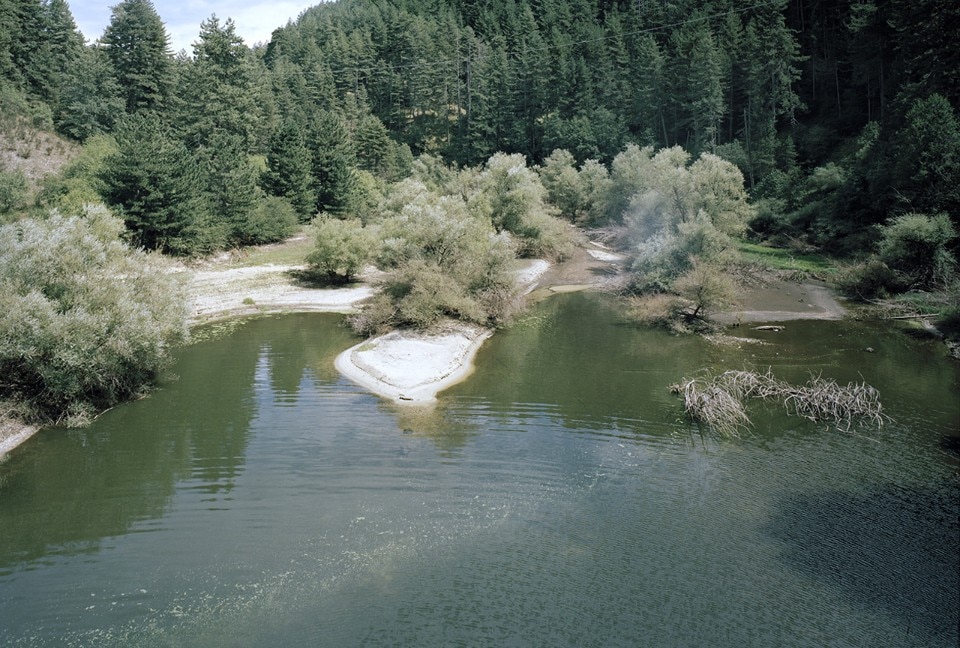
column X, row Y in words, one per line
column 555, row 498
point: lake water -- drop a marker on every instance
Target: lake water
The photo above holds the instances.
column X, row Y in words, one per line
column 555, row 498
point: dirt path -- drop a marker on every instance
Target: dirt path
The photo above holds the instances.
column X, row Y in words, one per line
column 593, row 266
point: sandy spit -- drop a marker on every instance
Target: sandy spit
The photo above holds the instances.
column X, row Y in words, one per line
column 413, row 367
column 12, row 434
column 782, row 301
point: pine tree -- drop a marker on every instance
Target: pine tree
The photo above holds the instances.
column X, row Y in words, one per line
column 57, row 53
column 649, row 117
column 219, row 91
column 90, row 100
column 332, row 160
column 928, row 177
column 230, row 183
column 138, row 48
column 772, row 56
column 529, row 87
column 696, row 88
column 154, row 184
column 288, row 171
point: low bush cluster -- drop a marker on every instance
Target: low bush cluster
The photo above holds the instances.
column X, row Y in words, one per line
column 447, row 239
column 913, row 253
column 85, row 321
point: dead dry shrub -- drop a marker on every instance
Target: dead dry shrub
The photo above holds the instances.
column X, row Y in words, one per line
column 719, row 402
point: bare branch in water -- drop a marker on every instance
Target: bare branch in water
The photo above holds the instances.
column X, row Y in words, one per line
column 720, row 401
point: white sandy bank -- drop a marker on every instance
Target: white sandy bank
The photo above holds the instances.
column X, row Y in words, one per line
column 12, row 434
column 413, row 366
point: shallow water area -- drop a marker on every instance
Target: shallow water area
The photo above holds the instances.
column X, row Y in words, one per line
column 555, row 498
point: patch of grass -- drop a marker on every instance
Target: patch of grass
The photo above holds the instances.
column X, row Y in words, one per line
column 787, row 259
column 293, row 251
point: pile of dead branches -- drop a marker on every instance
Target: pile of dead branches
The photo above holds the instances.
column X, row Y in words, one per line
column 720, row 401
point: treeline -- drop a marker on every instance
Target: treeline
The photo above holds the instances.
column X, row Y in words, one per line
column 195, row 152
column 841, row 114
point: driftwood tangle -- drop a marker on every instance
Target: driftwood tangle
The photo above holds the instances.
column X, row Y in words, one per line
column 720, row 401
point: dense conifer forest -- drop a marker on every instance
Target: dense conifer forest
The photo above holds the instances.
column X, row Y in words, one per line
column 840, row 114
column 826, row 125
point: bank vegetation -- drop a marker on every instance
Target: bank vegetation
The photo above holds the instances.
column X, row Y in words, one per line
column 440, row 141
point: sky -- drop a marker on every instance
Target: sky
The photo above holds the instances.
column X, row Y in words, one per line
column 255, row 19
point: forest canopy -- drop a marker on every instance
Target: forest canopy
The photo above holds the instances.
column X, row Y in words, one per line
column 841, row 116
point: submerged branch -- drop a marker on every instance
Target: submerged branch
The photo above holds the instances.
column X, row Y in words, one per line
column 720, row 401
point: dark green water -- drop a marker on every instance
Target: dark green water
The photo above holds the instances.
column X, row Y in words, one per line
column 553, row 499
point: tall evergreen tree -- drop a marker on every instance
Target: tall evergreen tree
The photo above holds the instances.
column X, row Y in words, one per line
column 58, row 51
column 137, row 45
column 155, row 185
column 649, row 115
column 332, row 161
column 696, row 89
column 230, row 182
column 773, row 56
column 289, row 170
column 928, row 177
column 220, row 90
column 90, row 100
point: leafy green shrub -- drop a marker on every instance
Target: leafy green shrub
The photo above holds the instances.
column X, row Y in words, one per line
column 685, row 212
column 13, row 191
column 705, row 289
column 654, row 309
column 580, row 196
column 769, row 221
column 449, row 238
column 512, row 197
column 428, row 226
column 85, row 321
column 685, row 303
column 629, row 175
column 559, row 177
column 79, row 182
column 343, row 247
column 446, row 261
column 418, row 295
column 423, row 294
column 434, row 174
column 869, row 280
column 272, row 219
column 917, row 247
